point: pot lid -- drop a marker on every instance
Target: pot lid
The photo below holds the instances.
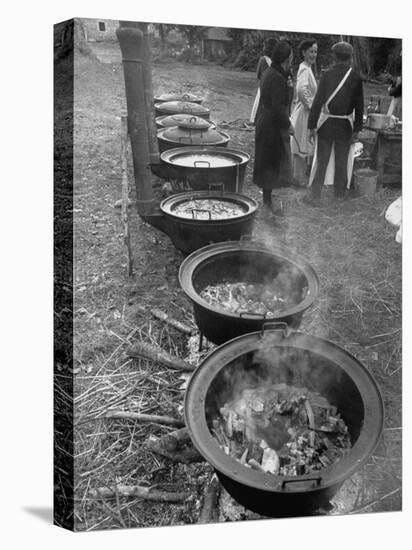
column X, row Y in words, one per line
column 178, row 96
column 185, row 121
column 193, row 136
column 186, row 107
column 205, row 157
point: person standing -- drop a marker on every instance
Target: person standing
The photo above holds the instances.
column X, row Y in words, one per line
column 306, row 86
column 263, row 64
column 335, row 118
column 273, row 126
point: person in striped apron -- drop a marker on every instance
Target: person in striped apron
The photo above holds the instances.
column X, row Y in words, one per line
column 335, row 120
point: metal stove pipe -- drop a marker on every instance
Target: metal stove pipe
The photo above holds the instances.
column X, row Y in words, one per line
column 148, row 91
column 131, row 41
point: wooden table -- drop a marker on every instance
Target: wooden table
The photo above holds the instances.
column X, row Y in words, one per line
column 388, row 146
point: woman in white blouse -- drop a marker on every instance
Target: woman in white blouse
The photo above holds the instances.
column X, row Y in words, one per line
column 301, row 145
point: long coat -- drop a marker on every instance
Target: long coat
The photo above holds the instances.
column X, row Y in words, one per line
column 272, row 124
column 306, row 87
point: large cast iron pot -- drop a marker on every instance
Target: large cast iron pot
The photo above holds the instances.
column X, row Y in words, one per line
column 189, row 234
column 274, row 356
column 199, row 167
column 177, row 96
column 177, row 136
column 250, row 262
column 181, row 107
column 165, row 121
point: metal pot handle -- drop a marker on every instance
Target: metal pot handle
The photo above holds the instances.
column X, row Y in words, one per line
column 201, row 162
column 317, row 479
column 201, row 210
column 246, row 238
column 219, row 185
column 237, row 177
column 253, row 314
column 276, row 325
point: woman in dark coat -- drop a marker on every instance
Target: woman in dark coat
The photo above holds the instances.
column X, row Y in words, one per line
column 273, row 126
column 264, row 63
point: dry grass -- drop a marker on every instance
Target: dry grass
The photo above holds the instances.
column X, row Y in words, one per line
column 111, row 452
column 353, row 250
column 349, row 244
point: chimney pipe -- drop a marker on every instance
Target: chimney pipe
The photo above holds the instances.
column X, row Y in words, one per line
column 131, row 42
column 148, row 91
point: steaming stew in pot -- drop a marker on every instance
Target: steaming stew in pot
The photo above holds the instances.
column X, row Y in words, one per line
column 204, row 160
column 281, row 429
column 264, row 299
column 200, row 208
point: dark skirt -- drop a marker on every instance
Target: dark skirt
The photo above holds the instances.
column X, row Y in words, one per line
column 272, row 166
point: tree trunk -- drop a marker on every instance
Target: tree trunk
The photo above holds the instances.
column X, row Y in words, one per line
column 80, row 42
column 361, row 55
column 162, row 36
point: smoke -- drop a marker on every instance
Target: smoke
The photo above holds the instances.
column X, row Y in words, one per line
column 275, row 362
column 292, row 239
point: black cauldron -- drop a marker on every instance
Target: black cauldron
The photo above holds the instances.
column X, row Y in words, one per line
column 189, row 234
column 181, row 107
column 178, row 136
column 250, row 262
column 273, row 356
column 178, row 96
column 165, row 121
column 200, row 167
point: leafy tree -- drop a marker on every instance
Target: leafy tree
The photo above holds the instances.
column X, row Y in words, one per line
column 192, row 33
column 163, row 30
column 371, row 55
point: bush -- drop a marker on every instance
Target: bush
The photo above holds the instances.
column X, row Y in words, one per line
column 188, row 54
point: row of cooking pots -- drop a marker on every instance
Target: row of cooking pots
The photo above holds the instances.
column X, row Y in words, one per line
column 193, row 152
column 317, row 363
column 185, row 123
column 268, row 349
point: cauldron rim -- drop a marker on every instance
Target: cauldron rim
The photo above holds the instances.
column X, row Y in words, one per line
column 183, row 97
column 224, row 137
column 332, row 476
column 242, row 156
column 167, row 204
column 187, row 107
column 196, row 258
column 159, row 120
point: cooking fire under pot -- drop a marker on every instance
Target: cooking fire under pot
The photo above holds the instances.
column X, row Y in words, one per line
column 181, row 107
column 192, row 133
column 279, row 358
column 235, row 287
column 166, row 121
column 199, row 218
column 178, row 96
column 198, row 167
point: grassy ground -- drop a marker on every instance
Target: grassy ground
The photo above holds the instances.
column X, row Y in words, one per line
column 350, row 245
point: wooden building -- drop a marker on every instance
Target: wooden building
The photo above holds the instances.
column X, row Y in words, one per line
column 216, row 45
column 99, row 30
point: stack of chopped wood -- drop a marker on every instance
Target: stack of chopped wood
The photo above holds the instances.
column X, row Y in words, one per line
column 281, row 429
